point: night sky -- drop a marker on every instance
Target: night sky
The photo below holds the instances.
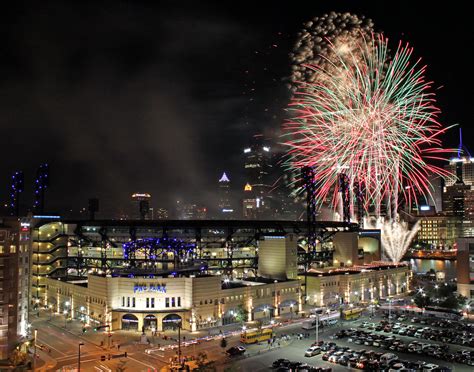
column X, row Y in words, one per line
column 162, row 97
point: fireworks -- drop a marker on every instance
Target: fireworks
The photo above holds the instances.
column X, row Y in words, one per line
column 324, row 40
column 396, row 236
column 369, row 115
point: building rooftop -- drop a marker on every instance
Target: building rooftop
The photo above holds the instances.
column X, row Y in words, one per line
column 229, row 284
column 374, row 266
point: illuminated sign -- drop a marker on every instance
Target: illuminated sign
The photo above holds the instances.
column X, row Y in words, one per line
column 227, row 210
column 46, row 216
column 247, row 150
column 25, row 226
column 138, row 195
column 247, row 187
column 424, row 208
column 265, row 148
column 143, row 287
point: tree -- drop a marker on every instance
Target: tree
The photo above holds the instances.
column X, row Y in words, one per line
column 241, row 314
column 203, row 364
column 454, row 302
column 18, row 357
column 223, row 343
column 422, row 300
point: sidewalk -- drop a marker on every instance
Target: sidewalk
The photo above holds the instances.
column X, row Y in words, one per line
column 48, row 362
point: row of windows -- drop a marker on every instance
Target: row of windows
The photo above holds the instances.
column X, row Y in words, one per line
column 4, row 249
column 330, row 284
column 150, row 302
column 128, row 302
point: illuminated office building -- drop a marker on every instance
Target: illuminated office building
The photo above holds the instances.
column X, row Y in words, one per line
column 225, row 209
column 14, row 283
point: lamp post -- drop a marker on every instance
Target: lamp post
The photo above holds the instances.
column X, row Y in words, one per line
column 291, row 311
column 79, row 356
column 317, row 328
column 179, row 344
column 66, row 305
column 389, row 310
column 50, row 312
column 34, row 355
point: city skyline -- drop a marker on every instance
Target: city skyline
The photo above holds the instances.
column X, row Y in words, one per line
column 105, row 111
column 200, row 185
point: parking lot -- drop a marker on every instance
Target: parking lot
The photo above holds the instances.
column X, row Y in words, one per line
column 426, row 344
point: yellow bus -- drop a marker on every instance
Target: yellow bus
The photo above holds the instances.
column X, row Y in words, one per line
column 253, row 336
column 352, row 313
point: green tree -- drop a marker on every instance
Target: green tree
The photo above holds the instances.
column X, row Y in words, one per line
column 241, row 314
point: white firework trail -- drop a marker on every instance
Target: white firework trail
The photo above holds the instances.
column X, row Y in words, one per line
column 396, row 236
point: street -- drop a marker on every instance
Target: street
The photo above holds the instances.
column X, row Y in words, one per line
column 60, row 347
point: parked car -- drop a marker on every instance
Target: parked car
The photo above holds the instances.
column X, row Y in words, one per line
column 280, row 362
column 387, row 358
column 312, row 351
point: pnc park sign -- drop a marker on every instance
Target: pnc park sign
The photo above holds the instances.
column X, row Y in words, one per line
column 144, row 287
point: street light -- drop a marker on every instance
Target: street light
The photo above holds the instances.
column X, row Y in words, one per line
column 389, row 310
column 291, row 310
column 179, row 343
column 317, row 328
column 34, row 355
column 50, row 312
column 65, row 312
column 79, row 356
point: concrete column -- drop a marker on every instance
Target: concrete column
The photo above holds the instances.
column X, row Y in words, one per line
column 140, row 321
column 159, row 322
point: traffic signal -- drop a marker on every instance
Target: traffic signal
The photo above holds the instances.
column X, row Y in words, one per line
column 102, row 358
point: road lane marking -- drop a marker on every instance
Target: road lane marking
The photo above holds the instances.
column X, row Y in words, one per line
column 51, row 347
column 147, row 365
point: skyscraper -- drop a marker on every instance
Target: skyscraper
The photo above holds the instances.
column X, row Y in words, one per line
column 141, row 206
column 258, row 166
column 161, row 214
column 461, row 167
column 225, row 209
column 249, row 203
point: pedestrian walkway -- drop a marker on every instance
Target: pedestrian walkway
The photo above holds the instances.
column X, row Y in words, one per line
column 44, row 362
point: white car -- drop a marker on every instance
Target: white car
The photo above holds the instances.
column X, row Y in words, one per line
column 312, row 351
column 430, row 367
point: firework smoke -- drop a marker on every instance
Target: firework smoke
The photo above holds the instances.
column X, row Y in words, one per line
column 324, row 41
